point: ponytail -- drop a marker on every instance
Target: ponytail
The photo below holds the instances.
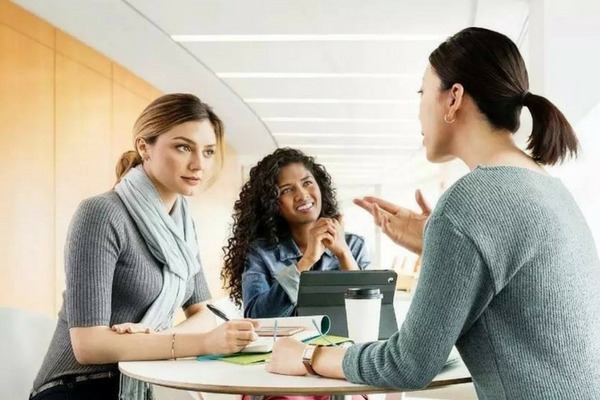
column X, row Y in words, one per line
column 130, row 159
column 490, row 68
column 552, row 138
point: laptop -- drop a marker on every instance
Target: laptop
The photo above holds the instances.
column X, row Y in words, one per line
column 322, row 293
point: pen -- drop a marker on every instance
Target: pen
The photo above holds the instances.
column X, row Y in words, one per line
column 217, row 312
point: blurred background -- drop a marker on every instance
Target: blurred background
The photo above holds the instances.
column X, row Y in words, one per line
column 337, row 79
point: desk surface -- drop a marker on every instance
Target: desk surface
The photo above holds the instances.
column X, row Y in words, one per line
column 223, row 377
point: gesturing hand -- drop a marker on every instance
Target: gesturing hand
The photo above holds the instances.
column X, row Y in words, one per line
column 403, row 226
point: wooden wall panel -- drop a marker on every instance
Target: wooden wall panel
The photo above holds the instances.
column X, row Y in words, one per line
column 133, row 83
column 77, row 51
column 66, row 116
column 212, row 213
column 129, row 106
column 83, row 144
column 28, row 24
column 26, row 172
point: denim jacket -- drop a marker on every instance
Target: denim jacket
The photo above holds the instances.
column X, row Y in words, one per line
column 270, row 279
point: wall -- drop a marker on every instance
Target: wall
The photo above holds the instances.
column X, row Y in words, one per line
column 212, row 214
column 564, row 57
column 66, row 116
column 579, row 175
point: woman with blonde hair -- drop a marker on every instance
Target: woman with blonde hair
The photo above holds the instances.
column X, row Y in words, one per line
column 131, row 260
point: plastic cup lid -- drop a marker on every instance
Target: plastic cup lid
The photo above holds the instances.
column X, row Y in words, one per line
column 363, row 293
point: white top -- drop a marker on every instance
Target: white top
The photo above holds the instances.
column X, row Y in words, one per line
column 223, row 377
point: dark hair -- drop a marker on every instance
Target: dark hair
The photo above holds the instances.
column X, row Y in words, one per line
column 256, row 214
column 490, row 68
column 162, row 115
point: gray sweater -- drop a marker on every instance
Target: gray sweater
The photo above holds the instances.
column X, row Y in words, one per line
column 510, row 274
column 111, row 278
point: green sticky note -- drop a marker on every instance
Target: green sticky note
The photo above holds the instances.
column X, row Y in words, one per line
column 260, row 358
column 247, row 359
column 329, row 340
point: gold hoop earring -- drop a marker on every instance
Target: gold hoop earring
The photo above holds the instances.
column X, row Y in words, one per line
column 446, row 119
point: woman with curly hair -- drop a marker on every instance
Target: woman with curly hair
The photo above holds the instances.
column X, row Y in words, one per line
column 286, row 221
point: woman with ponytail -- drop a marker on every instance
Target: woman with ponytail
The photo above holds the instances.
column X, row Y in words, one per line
column 510, row 273
column 132, row 261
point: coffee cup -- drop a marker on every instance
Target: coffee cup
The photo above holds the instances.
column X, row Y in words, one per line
column 363, row 309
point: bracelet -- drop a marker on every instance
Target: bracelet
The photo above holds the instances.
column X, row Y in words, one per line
column 173, row 347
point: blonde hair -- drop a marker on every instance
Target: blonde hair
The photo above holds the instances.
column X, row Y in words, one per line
column 162, row 115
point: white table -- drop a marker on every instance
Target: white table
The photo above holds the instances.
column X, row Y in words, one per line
column 223, row 377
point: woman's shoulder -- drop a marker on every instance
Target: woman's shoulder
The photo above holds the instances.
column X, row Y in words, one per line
column 354, row 240
column 493, row 190
column 107, row 206
column 107, row 200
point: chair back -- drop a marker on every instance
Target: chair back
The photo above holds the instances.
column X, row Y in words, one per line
column 24, row 340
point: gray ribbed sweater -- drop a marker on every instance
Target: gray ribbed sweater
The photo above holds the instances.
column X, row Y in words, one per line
column 510, row 274
column 111, row 278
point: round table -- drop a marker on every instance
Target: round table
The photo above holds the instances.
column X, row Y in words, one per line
column 222, row 377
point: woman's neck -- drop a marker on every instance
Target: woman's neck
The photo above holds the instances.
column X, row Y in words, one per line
column 168, row 201
column 478, row 144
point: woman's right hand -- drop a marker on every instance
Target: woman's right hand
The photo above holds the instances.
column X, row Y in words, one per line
column 231, row 337
column 405, row 227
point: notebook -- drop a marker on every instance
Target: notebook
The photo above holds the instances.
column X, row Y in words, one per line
column 313, row 326
column 258, row 358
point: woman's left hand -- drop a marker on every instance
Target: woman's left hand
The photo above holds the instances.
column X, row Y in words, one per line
column 287, row 358
column 129, row 327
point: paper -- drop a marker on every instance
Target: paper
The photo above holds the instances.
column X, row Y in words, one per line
column 310, row 325
column 250, row 359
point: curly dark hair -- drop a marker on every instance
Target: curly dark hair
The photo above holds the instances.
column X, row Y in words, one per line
column 256, row 214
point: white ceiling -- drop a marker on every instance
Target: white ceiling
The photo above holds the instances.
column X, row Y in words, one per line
column 349, row 100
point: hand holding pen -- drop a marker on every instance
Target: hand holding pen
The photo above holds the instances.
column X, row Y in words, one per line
column 232, row 336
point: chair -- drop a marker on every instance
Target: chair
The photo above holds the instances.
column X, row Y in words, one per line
column 24, row 340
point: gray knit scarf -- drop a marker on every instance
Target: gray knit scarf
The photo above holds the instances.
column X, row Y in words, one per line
column 172, row 241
